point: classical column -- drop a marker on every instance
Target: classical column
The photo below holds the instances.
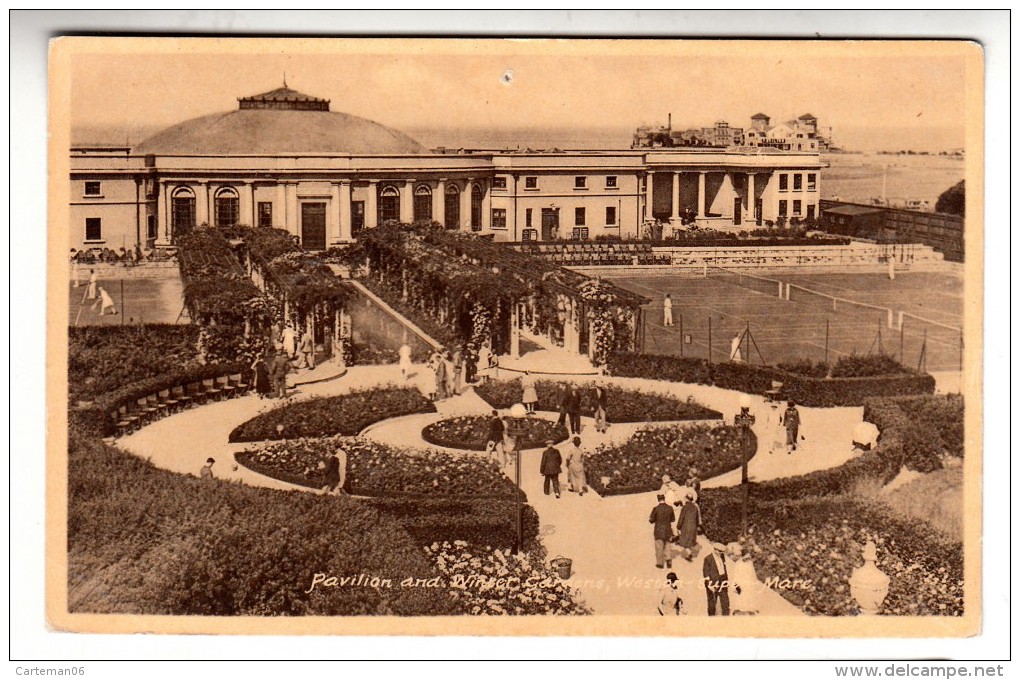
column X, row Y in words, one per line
column 333, row 215
column 372, row 205
column 727, row 192
column 163, row 212
column 293, row 219
column 244, row 204
column 202, row 205
column 280, row 207
column 439, row 203
column 649, row 195
column 344, row 207
column 750, row 197
column 701, row 193
column 486, row 208
column 465, row 205
column 407, row 202
column 675, row 216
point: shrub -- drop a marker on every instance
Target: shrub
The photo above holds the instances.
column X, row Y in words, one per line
column 472, row 432
column 918, row 432
column 347, row 415
column 486, row 521
column 147, row 541
column 638, row 465
column 805, row 390
column 375, row 469
column 623, row 405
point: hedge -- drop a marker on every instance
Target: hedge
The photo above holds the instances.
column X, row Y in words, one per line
column 918, row 431
column 805, row 390
column 95, row 419
column 477, row 521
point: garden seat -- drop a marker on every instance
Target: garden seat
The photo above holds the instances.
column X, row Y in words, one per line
column 197, row 393
column 144, row 410
column 167, row 401
column 223, row 385
column 124, row 421
column 178, row 395
column 238, row 382
column 210, row 390
column 158, row 406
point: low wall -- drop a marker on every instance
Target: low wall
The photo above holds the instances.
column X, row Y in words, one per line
column 113, row 272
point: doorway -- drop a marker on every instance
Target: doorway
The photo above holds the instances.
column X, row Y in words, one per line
column 738, row 208
column 357, row 216
column 550, row 223
column 313, row 226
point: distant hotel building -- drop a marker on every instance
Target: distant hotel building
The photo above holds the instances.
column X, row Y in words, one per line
column 283, row 159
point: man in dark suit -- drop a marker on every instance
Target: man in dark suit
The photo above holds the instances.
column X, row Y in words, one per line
column 662, row 517
column 552, row 464
column 574, row 410
column 716, row 579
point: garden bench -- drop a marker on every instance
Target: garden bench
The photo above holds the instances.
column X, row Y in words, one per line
column 182, row 399
column 226, row 389
column 210, row 390
column 237, row 381
column 124, row 421
column 144, row 410
column 197, row 393
column 167, row 401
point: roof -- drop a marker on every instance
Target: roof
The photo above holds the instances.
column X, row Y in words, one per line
column 807, row 116
column 279, row 131
column 852, row 210
column 759, row 116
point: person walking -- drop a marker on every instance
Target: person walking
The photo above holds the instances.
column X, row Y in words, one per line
column 574, row 410
column 667, row 311
column 670, row 602
column 562, row 403
column 450, row 371
column 743, row 582
column 716, row 578
column 440, row 365
column 260, row 370
column 278, row 371
column 530, row 395
column 306, row 351
column 601, row 405
column 687, row 527
column 290, row 341
column 510, row 437
column 662, row 531
column 494, row 440
column 791, row 420
column 552, row 465
column 404, row 354
column 576, row 478
column 458, row 372
column 207, row 472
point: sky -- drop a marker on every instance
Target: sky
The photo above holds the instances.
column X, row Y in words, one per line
column 410, row 84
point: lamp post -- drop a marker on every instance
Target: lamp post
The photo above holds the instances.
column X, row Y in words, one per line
column 517, row 411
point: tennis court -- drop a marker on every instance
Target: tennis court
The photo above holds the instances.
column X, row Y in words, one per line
column 825, row 317
column 137, row 300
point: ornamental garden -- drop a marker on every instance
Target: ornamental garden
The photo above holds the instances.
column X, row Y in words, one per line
column 145, row 540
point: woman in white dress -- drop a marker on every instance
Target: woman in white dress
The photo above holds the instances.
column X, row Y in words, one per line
column 775, row 431
column 405, row 360
column 745, row 587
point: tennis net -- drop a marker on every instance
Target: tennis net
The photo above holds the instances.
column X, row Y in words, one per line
column 759, row 284
column 860, row 310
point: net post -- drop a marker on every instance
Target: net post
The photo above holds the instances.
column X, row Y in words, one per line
column 901, row 320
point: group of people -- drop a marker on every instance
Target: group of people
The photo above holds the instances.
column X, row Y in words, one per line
column 552, row 466
column 289, row 351
column 97, row 294
column 568, row 403
column 447, row 373
column 123, row 256
column 677, row 520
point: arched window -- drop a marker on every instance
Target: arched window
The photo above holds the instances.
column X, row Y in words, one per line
column 227, row 207
column 476, row 207
column 422, row 203
column 452, row 211
column 182, row 210
column 389, row 205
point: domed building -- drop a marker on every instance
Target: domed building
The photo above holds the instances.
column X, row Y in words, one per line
column 284, row 159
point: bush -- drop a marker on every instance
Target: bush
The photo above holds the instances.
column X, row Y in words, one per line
column 147, row 541
column 623, row 405
column 805, row 390
column 918, row 432
column 375, row 469
column 638, row 465
column 102, row 359
column 472, row 432
column 487, row 521
column 346, row 415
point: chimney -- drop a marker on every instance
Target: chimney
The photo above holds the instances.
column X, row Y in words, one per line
column 669, row 121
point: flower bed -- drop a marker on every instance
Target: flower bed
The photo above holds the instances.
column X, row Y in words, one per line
column 638, row 465
column 918, row 432
column 805, row 390
column 375, row 469
column 481, row 521
column 472, row 432
column 102, row 359
column 347, row 415
column 498, row 582
column 624, row 406
column 821, row 539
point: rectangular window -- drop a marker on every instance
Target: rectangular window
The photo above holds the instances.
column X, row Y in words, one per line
column 611, row 182
column 527, row 217
column 93, row 188
column 784, row 182
column 798, row 183
column 812, row 182
column 611, row 216
column 580, row 182
column 530, row 182
column 227, row 209
column 265, row 214
column 150, row 225
column 579, row 216
column 499, row 218
column 499, row 183
column 796, row 207
column 93, row 229
column 529, row 235
column 782, row 208
column 811, row 212
column 579, row 234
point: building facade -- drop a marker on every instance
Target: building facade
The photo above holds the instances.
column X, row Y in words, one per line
column 284, row 160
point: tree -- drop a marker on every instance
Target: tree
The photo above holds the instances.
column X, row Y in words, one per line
column 952, row 200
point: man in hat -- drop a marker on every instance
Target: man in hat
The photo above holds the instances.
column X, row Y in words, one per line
column 791, row 420
column 278, row 371
column 716, row 578
column 662, row 518
column 207, row 469
column 670, row 602
column 552, row 464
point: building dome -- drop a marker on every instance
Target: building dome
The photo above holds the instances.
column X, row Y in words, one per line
column 282, row 121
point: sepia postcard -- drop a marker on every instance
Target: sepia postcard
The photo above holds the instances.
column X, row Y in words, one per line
column 583, row 337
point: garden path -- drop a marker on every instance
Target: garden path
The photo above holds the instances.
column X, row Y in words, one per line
column 608, row 539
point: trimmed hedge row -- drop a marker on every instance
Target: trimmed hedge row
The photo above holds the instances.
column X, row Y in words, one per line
column 480, row 522
column 95, row 418
column 918, row 431
column 805, row 390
